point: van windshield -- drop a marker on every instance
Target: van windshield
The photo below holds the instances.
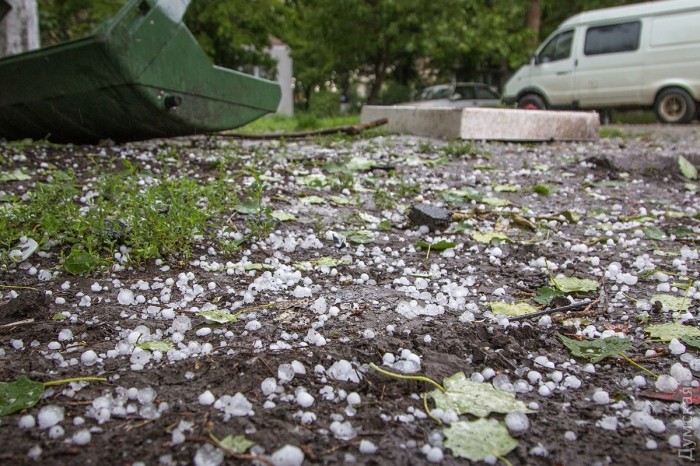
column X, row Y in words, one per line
column 558, row 48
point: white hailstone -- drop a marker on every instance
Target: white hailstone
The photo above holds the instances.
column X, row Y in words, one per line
column 236, row 405
column 343, row 430
column 88, row 358
column 368, row 334
column 676, row 347
column 666, row 383
column 203, row 332
column 571, row 381
column 488, row 373
column 288, row 455
column 570, row 436
column 126, row 297
column 545, row 321
column 49, row 416
column 353, row 398
column 308, row 418
column 544, row 391
column 27, row 422
column 639, row 381
column 556, row 376
column 681, row 373
column 304, row 399
column 601, row 397
column 651, row 444
column 655, row 425
column 435, row 455
column 207, row 398
column 146, row 395
column 543, row 361
column 343, row 371
column 608, row 422
column 268, row 386
column 208, row 455
column 477, row 377
column 82, row 437
column 675, row 441
column 589, row 368
column 56, row 431
column 298, row 367
column 534, row 377
column 285, row 373
column 517, row 422
column 65, row 335
column 140, row 357
column 367, row 447
column 253, row 325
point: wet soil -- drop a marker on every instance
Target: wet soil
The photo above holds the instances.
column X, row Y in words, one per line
column 389, row 414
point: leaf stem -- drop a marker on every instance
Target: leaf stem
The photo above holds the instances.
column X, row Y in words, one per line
column 419, row 378
column 505, row 460
column 74, row 379
column 638, row 366
column 427, row 410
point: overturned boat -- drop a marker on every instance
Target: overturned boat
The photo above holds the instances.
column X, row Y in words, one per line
column 140, row 75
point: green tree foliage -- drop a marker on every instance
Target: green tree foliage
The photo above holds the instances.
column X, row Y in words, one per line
column 393, row 45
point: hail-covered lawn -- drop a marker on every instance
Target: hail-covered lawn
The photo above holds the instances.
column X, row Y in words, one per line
column 210, row 301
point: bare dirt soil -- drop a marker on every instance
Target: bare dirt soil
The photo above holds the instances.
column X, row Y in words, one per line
column 591, row 210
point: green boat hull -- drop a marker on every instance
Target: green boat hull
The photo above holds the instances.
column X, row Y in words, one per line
column 141, row 75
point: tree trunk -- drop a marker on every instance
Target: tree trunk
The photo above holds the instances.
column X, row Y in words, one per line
column 534, row 19
column 19, row 26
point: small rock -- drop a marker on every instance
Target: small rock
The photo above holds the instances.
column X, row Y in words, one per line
column 434, row 217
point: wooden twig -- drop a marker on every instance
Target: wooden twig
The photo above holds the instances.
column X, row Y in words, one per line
column 350, row 130
column 18, row 323
column 571, row 307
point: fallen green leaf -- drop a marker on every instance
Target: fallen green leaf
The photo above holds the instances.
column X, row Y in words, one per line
column 220, row 317
column 477, row 440
column 15, row 175
column 596, row 350
column 19, row 394
column 512, row 310
column 156, row 345
column 574, row 285
column 506, row 188
column 282, row 216
column 495, row 201
column 687, row 169
column 672, row 303
column 654, row 233
column 480, row 399
column 341, row 200
column 312, row 200
column 489, row 237
column 667, row 332
column 359, row 236
column 238, row 443
column 439, row 246
column 546, row 294
column 249, row 207
column 691, row 341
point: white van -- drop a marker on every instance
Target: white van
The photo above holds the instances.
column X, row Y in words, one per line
column 645, row 55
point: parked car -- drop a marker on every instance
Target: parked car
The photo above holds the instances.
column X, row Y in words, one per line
column 643, row 55
column 458, row 95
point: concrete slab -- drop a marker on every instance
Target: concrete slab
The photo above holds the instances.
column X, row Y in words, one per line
column 487, row 123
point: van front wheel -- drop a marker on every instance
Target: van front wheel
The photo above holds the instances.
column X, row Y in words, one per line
column 675, row 106
column 531, row 102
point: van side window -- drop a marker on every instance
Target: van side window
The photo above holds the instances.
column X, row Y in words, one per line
column 558, row 48
column 614, row 38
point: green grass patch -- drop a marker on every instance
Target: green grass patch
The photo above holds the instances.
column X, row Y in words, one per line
column 300, row 122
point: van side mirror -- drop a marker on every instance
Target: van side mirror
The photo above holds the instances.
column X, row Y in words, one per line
column 534, row 60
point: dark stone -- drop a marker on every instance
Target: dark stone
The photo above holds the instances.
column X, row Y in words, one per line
column 434, row 217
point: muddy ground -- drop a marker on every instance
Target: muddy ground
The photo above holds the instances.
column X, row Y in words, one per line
column 615, row 187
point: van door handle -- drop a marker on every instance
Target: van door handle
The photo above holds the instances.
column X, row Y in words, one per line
column 561, row 73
